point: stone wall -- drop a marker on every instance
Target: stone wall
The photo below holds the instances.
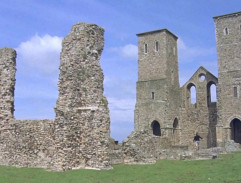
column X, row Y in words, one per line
column 229, row 61
column 165, row 118
column 140, row 147
column 79, row 135
column 27, row 143
column 158, row 89
column 7, row 83
column 82, row 115
column 200, row 116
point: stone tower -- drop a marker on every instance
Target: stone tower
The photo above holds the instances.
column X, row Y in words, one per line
column 7, row 82
column 158, row 93
column 228, row 37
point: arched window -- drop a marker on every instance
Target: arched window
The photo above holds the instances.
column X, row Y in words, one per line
column 191, row 92
column 156, row 128
column 211, row 93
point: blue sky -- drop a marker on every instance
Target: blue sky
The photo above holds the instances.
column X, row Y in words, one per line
column 35, row 29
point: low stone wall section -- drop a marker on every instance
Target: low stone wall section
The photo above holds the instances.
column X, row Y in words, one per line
column 27, row 143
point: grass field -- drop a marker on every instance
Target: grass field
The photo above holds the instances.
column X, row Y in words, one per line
column 225, row 169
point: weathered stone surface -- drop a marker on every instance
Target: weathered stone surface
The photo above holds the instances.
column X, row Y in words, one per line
column 163, row 106
column 82, row 115
column 141, row 147
column 229, row 70
column 79, row 135
column 165, row 110
column 165, row 118
column 7, row 83
column 27, row 143
column 231, row 146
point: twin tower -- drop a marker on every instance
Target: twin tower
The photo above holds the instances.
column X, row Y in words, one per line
column 165, row 108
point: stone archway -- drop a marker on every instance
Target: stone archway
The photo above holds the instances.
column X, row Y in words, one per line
column 156, row 129
column 236, row 130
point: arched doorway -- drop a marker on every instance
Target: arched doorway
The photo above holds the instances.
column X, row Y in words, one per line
column 236, row 130
column 156, row 128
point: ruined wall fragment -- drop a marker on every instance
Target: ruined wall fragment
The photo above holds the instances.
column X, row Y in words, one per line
column 82, row 115
column 27, row 143
column 7, row 83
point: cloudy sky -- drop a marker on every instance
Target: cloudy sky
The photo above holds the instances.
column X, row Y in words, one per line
column 35, row 28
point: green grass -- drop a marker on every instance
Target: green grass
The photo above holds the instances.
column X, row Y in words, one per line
column 225, row 169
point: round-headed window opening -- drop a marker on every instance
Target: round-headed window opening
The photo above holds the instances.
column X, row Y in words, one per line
column 202, row 77
column 191, row 94
column 156, row 128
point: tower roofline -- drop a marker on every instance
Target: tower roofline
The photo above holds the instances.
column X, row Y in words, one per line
column 227, row 15
column 157, row 31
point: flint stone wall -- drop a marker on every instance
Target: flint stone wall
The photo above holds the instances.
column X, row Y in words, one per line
column 27, row 143
column 79, row 135
column 7, row 83
column 142, row 148
column 82, row 115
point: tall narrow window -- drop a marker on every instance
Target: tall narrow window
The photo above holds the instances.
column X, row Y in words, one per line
column 152, row 95
column 225, row 31
column 145, row 48
column 157, row 46
column 174, row 51
column 235, row 92
column 211, row 93
column 193, row 94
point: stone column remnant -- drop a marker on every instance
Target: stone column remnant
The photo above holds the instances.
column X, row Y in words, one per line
column 82, row 116
column 7, row 83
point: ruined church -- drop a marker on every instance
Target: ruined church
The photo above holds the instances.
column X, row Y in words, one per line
column 166, row 118
column 167, row 109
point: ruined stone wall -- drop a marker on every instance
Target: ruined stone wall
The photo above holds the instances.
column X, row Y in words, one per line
column 201, row 116
column 82, row 115
column 141, row 147
column 7, row 83
column 27, row 143
column 79, row 135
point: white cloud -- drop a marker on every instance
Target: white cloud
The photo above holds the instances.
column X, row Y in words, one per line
column 129, row 51
column 41, row 54
column 37, row 76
